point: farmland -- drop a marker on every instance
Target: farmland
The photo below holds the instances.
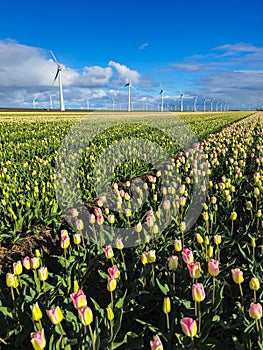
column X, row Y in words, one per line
column 119, row 227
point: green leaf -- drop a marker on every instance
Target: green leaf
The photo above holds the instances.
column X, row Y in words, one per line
column 164, row 289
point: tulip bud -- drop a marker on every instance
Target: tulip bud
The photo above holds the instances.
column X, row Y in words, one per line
column 55, row 315
column 194, row 270
column 253, row 242
column 119, row 244
column 76, row 286
column 36, row 312
column 237, row 276
column 79, row 225
column 38, row 340
column 213, row 267
column 26, row 262
column 178, row 245
column 42, row 273
column 217, row 239
column 79, row 299
column 110, row 313
column 77, row 238
column 65, row 242
column 255, row 311
column 108, row 252
column 166, row 305
column 173, row 262
column 207, row 240
column 189, row 327
column 233, row 216
column 187, row 256
column 156, row 343
column 85, row 315
column 151, row 256
column 17, row 267
column 182, row 226
column 210, row 251
column 111, row 285
column 198, row 292
column 114, row 272
column 199, row 238
column 34, row 263
column 11, row 280
column 254, row 283
column 111, row 219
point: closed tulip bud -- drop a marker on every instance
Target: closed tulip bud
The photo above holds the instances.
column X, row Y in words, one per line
column 63, row 233
column 85, row 315
column 36, row 312
column 42, row 273
column 100, row 219
column 37, row 253
column 151, row 256
column 253, row 242
column 166, row 204
column 249, row 205
column 17, row 267
column 79, row 299
column 138, row 227
column 144, row 258
column 34, row 263
column 254, row 283
column 178, row 245
column 64, row 242
column 237, row 276
column 213, row 267
column 38, row 340
column 182, row 226
column 198, row 292
column 76, row 286
column 173, row 262
column 110, row 314
column 11, row 280
column 74, row 213
column 166, row 305
column 189, row 327
column 155, row 229
column 213, row 200
column 108, row 252
column 77, row 238
column 111, row 219
column 156, row 343
column 233, row 216
column 210, row 251
column 259, row 213
column 194, row 270
column 55, row 315
column 217, row 239
column 255, row 311
column 199, row 238
column 114, row 272
column 187, row 256
column 92, row 219
column 207, row 240
column 205, row 206
column 111, row 285
column 26, row 263
column 256, row 192
column 79, row 225
column 119, row 244
column 205, row 216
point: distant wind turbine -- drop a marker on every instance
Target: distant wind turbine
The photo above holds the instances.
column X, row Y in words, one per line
column 181, row 102
column 51, row 100
column 162, row 91
column 59, row 75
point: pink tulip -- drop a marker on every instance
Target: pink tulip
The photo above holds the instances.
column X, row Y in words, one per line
column 26, row 263
column 114, row 272
column 237, row 276
column 187, row 256
column 255, row 311
column 79, row 299
column 38, row 340
column 156, row 343
column 194, row 270
column 198, row 292
column 213, row 267
column 97, row 211
column 189, row 326
column 108, row 252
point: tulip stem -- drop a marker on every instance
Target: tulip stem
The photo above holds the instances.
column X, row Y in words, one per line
column 255, row 296
column 193, row 344
column 199, row 317
column 174, row 281
column 112, row 302
column 213, row 295
column 168, row 322
column 12, row 293
column 195, row 308
column 144, row 277
column 258, row 330
column 65, row 259
column 92, row 337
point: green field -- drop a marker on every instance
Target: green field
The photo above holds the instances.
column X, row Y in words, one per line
column 73, row 183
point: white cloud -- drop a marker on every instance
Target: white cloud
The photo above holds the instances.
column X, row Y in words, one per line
column 143, row 46
column 124, row 73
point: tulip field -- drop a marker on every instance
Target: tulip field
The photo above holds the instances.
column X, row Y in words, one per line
column 131, row 230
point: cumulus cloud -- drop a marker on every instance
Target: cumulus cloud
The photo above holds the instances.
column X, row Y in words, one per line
column 124, row 73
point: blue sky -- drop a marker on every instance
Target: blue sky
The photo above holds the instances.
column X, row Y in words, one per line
column 205, row 49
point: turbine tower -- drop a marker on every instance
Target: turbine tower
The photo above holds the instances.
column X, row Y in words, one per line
column 51, row 100
column 162, row 91
column 59, row 75
column 129, row 93
column 195, row 100
column 181, row 103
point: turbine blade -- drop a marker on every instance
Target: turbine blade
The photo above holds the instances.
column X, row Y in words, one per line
column 56, row 75
column 54, row 57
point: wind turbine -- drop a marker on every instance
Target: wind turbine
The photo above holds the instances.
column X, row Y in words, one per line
column 162, row 91
column 204, row 103
column 58, row 74
column 195, row 100
column 51, row 100
column 181, row 102
column 33, row 102
column 129, row 93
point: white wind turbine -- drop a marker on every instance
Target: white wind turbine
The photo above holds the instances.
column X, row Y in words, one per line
column 129, row 93
column 162, row 91
column 51, row 100
column 181, row 102
column 59, row 75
